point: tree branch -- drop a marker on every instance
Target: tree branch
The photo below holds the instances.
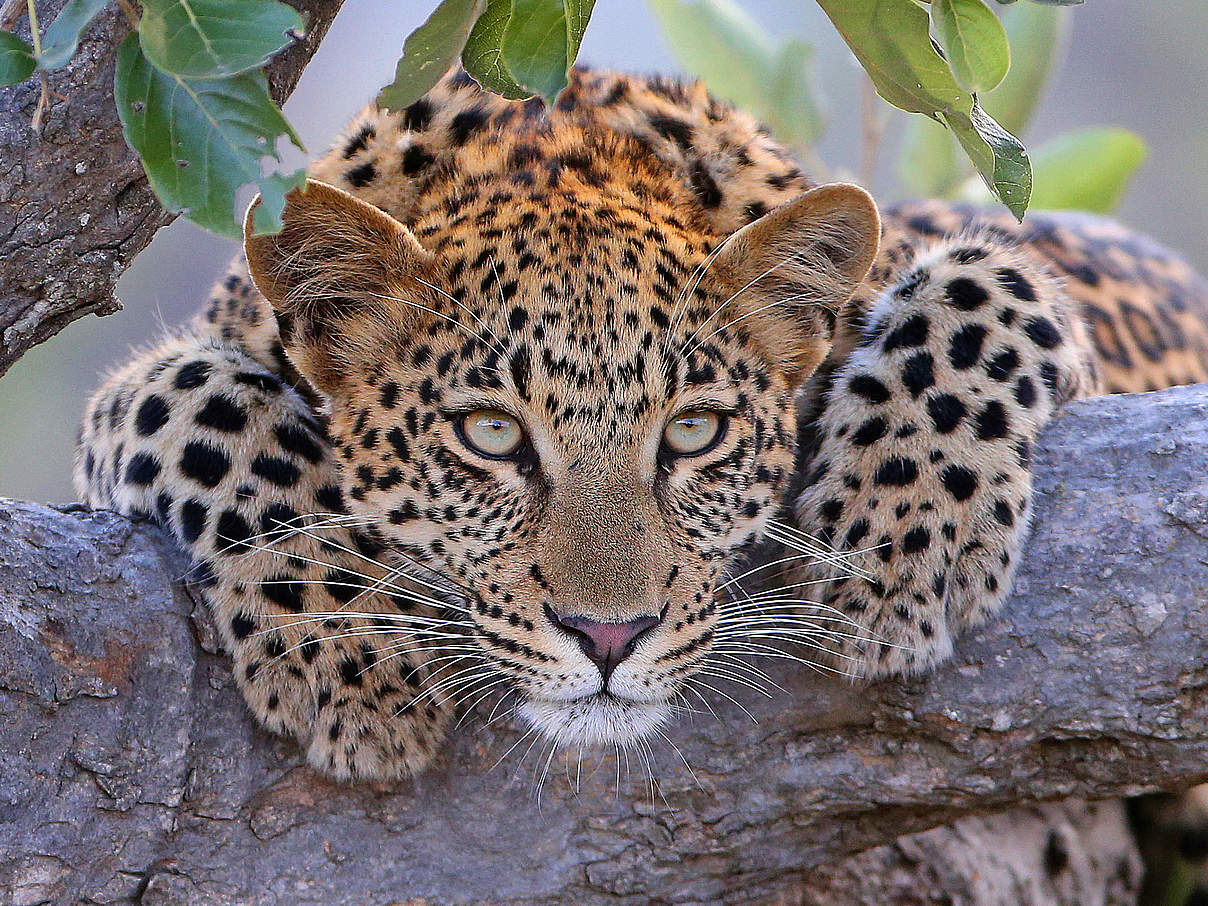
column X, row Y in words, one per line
column 132, row 768
column 75, row 207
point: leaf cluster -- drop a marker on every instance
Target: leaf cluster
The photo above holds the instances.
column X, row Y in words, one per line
column 194, row 104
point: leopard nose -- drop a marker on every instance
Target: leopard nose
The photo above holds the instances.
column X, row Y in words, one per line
column 605, row 644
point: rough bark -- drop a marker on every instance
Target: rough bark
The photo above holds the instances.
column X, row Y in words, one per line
column 75, row 207
column 132, row 771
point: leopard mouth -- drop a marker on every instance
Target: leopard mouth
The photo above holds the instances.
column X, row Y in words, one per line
column 601, row 719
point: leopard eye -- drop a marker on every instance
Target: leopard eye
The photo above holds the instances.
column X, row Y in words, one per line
column 694, row 433
column 491, row 433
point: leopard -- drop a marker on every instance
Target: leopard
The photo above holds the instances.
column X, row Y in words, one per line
column 512, row 395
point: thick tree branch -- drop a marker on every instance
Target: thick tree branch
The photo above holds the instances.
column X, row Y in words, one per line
column 131, row 768
column 75, row 207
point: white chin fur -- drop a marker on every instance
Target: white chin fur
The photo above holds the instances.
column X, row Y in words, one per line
column 594, row 721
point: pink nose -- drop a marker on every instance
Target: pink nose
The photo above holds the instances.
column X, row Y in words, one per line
column 605, row 644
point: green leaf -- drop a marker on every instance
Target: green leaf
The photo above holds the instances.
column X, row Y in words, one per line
column 974, row 40
column 16, row 59
column 998, row 156
column 63, row 36
column 578, row 14
column 717, row 41
column 204, row 39
column 200, row 140
column 927, row 164
column 273, row 189
column 536, row 46
column 1086, row 170
column 891, row 39
column 1038, row 37
column 430, row 51
column 482, row 56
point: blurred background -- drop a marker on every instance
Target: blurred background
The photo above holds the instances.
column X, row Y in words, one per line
column 1140, row 66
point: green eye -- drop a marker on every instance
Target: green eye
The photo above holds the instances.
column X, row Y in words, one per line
column 491, row 433
column 693, row 433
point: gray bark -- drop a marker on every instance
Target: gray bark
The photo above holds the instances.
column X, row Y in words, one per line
column 131, row 770
column 75, row 207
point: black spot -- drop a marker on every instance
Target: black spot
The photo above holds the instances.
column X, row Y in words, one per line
column 259, row 380
column 960, row 482
column 946, row 412
column 832, row 509
column 856, row 533
column 754, row 211
column 416, row 159
column 242, row 626
column 1056, row 857
column 870, row 432
column 918, row 373
column 152, row 415
column 193, row 515
column 276, row 519
column 869, row 387
column 704, row 186
column 342, row 585
column 992, row 422
column 280, row 472
column 142, row 469
column 897, row 471
column 967, row 254
column 966, row 294
column 1002, row 512
column 232, row 531
column 966, row 346
column 911, row 332
column 192, row 375
column 1003, row 365
column 222, row 414
column 360, row 141
column 350, row 672
column 1043, row 333
column 389, row 395
column 204, row 463
column 284, row 591
column 363, row 175
column 1048, row 374
column 676, row 130
column 466, row 124
column 417, row 116
column 915, row 540
column 294, row 439
column 331, row 497
column 1025, row 392
column 1016, row 284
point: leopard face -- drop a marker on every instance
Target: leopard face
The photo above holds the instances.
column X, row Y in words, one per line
column 575, row 413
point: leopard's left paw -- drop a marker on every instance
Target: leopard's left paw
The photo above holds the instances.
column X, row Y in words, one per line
column 923, row 469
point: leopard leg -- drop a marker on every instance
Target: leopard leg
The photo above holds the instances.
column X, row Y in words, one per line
column 925, row 440
column 204, row 440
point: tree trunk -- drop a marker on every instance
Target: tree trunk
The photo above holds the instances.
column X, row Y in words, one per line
column 75, row 207
column 133, row 772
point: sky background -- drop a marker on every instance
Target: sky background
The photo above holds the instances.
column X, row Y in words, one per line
column 1130, row 64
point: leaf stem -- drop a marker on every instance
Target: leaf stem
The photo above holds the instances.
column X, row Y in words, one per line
column 33, row 27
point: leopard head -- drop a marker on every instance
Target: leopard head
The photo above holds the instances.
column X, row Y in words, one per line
column 575, row 406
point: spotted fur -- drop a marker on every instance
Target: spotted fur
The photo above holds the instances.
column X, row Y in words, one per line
column 640, row 251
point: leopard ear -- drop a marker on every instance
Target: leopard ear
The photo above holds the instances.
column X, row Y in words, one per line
column 788, row 274
column 337, row 275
